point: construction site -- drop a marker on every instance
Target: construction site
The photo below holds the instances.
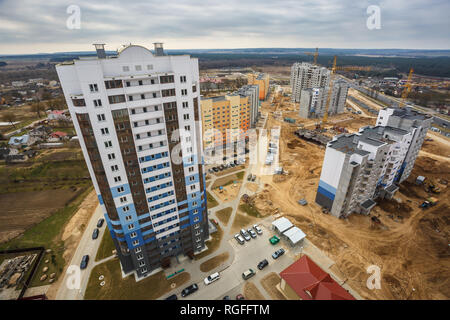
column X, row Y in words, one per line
column 406, row 236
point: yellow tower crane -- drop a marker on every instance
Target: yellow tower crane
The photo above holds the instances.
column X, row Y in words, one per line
column 334, row 68
column 407, row 89
column 315, row 54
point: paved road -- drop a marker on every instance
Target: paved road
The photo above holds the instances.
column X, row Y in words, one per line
column 86, row 246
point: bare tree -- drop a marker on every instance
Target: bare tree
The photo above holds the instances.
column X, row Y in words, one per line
column 37, row 107
column 9, row 117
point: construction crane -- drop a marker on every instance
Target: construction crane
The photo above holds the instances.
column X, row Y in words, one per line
column 330, row 89
column 407, row 89
column 315, row 54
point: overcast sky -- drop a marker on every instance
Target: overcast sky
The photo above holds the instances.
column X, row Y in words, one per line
column 32, row 26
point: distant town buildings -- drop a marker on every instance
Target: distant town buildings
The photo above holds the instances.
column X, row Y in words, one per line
column 359, row 168
column 262, row 81
column 137, row 118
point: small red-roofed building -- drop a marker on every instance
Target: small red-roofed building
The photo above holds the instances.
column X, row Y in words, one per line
column 305, row 280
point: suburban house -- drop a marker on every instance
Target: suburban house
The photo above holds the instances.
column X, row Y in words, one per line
column 305, row 280
column 40, row 132
column 56, row 115
column 57, row 136
column 21, row 141
column 3, row 153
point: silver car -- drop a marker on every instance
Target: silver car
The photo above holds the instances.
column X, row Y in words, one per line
column 258, row 229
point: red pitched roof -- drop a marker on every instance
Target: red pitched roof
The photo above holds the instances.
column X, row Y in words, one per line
column 58, row 134
column 310, row 282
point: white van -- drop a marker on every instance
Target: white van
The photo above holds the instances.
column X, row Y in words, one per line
column 211, row 278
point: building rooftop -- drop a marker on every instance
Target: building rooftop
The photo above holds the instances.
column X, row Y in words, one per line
column 409, row 113
column 375, row 136
column 310, row 282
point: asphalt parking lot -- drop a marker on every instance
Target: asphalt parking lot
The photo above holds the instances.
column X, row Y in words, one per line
column 247, row 256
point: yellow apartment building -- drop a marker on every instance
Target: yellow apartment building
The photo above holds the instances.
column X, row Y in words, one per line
column 262, row 80
column 222, row 113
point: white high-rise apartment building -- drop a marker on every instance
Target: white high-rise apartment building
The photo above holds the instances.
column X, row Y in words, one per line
column 138, row 118
column 359, row 168
column 306, row 76
column 410, row 120
column 251, row 91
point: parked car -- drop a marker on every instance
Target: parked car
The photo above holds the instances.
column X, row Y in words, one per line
column 278, row 253
column 239, row 238
column 245, row 235
column 274, row 240
column 210, row 170
column 211, row 278
column 254, row 177
column 249, row 177
column 232, row 165
column 215, row 169
column 100, row 222
column 240, row 297
column 248, row 274
column 172, row 297
column 258, row 229
column 226, row 298
column 95, row 234
column 252, row 233
column 235, row 162
column 189, row 290
column 84, row 261
column 263, row 264
column 215, row 222
column 221, row 167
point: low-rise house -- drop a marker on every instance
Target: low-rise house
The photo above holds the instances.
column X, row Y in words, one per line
column 40, row 132
column 57, row 136
column 56, row 115
column 21, row 141
column 12, row 158
column 4, row 152
column 305, row 280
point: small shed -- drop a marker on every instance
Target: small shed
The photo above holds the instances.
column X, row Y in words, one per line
column 420, row 180
column 295, row 236
column 281, row 225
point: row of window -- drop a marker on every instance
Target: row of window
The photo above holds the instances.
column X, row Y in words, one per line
column 159, row 187
column 154, row 156
column 161, row 196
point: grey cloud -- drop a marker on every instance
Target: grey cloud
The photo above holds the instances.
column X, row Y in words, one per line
column 288, row 23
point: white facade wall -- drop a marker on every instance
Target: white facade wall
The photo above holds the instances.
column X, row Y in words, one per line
column 134, row 64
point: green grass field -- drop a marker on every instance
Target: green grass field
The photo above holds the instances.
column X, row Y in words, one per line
column 106, row 246
column 116, row 288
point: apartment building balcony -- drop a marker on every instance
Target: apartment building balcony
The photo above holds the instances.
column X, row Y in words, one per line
column 367, row 205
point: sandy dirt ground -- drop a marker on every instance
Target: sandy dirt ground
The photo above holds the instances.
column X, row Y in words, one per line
column 72, row 234
column 228, row 193
column 410, row 246
column 251, row 186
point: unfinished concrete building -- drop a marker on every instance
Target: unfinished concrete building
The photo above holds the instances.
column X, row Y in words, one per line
column 305, row 76
column 359, row 168
column 410, row 120
column 313, row 100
